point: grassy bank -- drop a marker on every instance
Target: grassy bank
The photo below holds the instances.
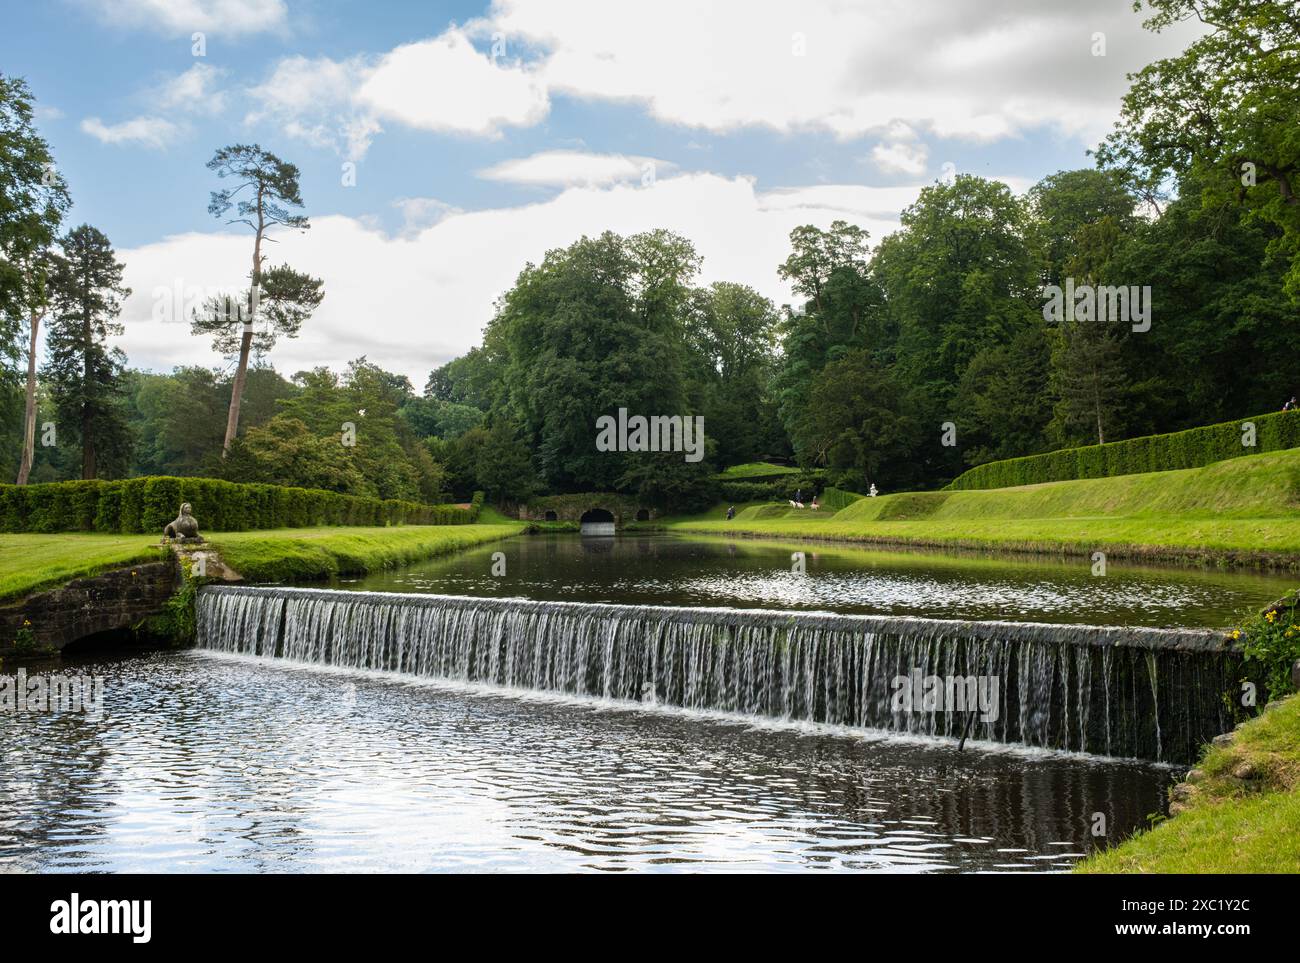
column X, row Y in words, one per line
column 29, row 563
column 1239, row 811
column 1244, row 510
column 302, row 554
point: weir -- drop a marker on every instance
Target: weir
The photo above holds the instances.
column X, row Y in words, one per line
column 1155, row 694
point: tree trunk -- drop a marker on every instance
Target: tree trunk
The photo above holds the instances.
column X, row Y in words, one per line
column 87, row 420
column 29, row 413
column 246, row 341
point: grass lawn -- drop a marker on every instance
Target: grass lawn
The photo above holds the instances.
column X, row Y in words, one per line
column 32, row 562
column 293, row 554
column 29, row 563
column 1243, row 809
column 755, row 469
column 1244, row 509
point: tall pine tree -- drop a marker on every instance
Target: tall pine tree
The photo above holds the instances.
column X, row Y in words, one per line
column 85, row 375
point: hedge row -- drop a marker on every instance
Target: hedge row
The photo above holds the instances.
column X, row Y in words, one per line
column 148, row 504
column 1192, row 448
column 833, row 499
column 766, row 491
column 475, row 506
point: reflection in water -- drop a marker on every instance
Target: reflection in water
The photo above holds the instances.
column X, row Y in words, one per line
column 206, row 763
column 683, row 570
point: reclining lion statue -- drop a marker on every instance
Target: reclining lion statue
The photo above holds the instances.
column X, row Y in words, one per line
column 184, row 526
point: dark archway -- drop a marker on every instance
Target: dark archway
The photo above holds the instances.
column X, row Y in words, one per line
column 597, row 521
column 552, row 517
column 643, row 515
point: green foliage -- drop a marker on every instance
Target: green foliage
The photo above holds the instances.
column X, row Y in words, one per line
column 1271, row 640
column 148, row 504
column 503, row 465
column 755, row 471
column 1183, row 449
column 833, row 499
column 84, row 375
column 1221, row 112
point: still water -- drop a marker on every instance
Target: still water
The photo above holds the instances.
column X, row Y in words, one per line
column 210, row 763
column 686, row 570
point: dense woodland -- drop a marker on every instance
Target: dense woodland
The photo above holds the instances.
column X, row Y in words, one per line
column 893, row 343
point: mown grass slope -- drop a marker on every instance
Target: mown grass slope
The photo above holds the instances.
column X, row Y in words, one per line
column 1244, row 509
column 29, row 563
column 1240, row 811
column 296, row 554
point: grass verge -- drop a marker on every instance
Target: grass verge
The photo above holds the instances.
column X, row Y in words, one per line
column 302, row 554
column 30, row 563
column 1240, row 511
column 1239, row 811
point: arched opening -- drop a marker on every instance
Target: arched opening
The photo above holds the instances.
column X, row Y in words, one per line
column 643, row 515
column 597, row 521
column 552, row 517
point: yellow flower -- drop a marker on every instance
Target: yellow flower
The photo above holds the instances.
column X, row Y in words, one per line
column 1236, row 633
column 26, row 622
column 1271, row 615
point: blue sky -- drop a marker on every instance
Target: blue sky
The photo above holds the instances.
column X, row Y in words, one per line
column 483, row 134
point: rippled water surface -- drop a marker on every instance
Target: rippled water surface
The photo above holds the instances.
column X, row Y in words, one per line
column 209, row 763
column 683, row 570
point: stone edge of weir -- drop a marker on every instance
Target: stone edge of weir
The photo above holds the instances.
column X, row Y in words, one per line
column 1142, row 637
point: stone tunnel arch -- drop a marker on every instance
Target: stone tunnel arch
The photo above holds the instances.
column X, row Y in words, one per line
column 552, row 516
column 643, row 515
column 597, row 521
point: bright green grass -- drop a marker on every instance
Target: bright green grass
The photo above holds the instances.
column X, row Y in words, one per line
column 283, row 555
column 32, row 562
column 29, row 563
column 1248, row 508
column 1231, row 825
column 756, row 469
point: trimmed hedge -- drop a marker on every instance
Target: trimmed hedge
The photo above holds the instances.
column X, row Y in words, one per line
column 833, row 499
column 148, row 504
column 766, row 491
column 475, row 506
column 1192, row 448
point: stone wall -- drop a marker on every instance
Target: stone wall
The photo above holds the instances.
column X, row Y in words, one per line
column 570, row 508
column 115, row 600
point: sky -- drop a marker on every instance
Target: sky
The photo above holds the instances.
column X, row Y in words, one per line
column 442, row 146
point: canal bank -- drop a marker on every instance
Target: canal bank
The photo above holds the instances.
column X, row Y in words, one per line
column 1240, row 512
column 1238, row 811
column 61, row 588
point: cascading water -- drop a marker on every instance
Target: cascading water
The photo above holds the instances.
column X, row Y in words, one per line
column 1136, row 692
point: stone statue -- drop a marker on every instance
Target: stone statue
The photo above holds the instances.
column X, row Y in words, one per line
column 185, row 527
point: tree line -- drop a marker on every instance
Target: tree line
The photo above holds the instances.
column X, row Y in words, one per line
column 901, row 364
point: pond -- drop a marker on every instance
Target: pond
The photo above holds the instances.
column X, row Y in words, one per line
column 212, row 761
column 663, row 569
column 206, row 763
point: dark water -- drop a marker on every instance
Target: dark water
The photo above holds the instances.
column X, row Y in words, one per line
column 216, row 763
column 684, row 570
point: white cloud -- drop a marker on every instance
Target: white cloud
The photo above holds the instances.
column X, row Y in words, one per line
column 568, row 168
column 224, row 17
column 195, row 91
column 314, row 100
column 412, row 301
column 901, row 152
column 981, row 69
column 154, row 132
column 446, row 85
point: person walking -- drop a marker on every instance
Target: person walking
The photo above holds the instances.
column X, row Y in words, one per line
column 731, row 512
